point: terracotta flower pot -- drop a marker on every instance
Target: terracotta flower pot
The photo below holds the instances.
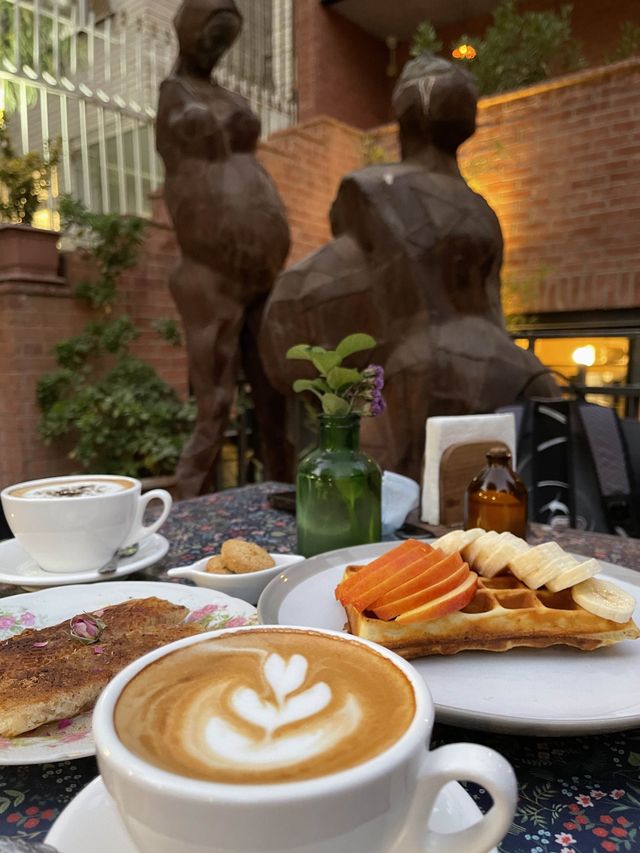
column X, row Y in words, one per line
column 28, row 254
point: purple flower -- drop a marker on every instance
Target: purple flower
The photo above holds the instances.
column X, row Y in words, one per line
column 28, row 619
column 371, row 391
column 7, row 622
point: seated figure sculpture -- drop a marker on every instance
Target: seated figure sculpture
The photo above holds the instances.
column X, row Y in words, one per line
column 415, row 262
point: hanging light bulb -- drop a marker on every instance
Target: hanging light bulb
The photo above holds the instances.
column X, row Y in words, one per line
column 464, row 51
column 585, row 356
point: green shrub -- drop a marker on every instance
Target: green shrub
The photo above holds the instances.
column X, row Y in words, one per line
column 118, row 414
column 517, row 49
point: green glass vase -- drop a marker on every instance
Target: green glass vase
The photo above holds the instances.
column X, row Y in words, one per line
column 337, row 490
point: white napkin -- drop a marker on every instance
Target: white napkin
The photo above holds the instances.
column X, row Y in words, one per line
column 399, row 496
column 442, row 432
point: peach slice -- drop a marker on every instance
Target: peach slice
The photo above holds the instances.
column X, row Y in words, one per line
column 382, row 567
column 396, row 578
column 436, row 590
column 432, row 573
column 450, row 602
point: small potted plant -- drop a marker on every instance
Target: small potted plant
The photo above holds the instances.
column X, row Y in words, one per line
column 338, row 487
column 26, row 253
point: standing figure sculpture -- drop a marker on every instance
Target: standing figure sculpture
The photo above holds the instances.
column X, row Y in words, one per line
column 415, row 262
column 232, row 231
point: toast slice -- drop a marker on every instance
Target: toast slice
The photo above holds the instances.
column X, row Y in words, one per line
column 46, row 674
column 503, row 614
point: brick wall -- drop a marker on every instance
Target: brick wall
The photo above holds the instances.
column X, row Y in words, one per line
column 560, row 164
column 340, row 69
column 307, row 163
column 35, row 317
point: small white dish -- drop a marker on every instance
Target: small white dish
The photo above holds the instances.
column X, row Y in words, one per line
column 18, row 568
column 91, row 820
column 247, row 586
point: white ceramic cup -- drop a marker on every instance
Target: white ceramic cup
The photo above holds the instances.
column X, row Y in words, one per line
column 382, row 804
column 80, row 532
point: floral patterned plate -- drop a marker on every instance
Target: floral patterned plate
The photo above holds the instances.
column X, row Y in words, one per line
column 72, row 738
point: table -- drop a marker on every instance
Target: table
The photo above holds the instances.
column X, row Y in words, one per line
column 577, row 795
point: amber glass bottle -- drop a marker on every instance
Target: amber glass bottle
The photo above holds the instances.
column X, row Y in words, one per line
column 497, row 498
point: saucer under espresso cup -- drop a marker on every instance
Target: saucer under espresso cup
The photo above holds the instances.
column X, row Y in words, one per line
column 78, row 523
column 273, row 738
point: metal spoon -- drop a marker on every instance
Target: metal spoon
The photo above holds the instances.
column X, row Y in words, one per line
column 112, row 566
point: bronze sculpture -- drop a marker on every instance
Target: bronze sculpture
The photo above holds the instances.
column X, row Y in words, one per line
column 232, row 231
column 415, row 262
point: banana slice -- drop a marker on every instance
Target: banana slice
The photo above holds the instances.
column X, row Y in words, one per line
column 573, row 573
column 490, row 562
column 548, row 570
column 534, row 558
column 604, row 599
column 542, row 575
column 456, row 540
column 472, row 551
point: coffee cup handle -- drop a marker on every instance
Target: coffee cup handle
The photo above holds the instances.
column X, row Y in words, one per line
column 139, row 530
column 467, row 762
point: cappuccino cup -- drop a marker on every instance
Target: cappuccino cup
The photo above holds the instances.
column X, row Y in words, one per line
column 276, row 738
column 78, row 523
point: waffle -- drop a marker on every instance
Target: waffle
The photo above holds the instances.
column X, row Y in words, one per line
column 503, row 614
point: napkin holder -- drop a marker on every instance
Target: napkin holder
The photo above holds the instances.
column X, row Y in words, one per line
column 449, row 435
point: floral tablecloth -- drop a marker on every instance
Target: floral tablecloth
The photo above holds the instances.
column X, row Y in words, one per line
column 577, row 795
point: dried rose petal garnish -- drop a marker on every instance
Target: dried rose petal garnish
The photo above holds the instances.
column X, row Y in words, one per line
column 98, row 650
column 86, row 628
column 41, row 645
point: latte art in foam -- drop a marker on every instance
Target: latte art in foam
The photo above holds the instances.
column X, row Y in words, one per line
column 226, row 740
column 264, row 706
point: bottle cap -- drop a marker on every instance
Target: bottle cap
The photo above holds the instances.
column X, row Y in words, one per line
column 499, row 453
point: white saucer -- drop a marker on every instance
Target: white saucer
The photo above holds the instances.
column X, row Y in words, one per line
column 91, row 820
column 17, row 567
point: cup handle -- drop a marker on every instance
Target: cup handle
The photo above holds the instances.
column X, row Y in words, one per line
column 139, row 530
column 469, row 762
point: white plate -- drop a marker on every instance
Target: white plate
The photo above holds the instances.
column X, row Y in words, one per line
column 17, row 567
column 72, row 738
column 91, row 820
column 551, row 691
column 247, row 586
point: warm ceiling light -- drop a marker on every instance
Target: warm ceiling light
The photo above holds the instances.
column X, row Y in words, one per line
column 464, row 51
column 585, row 356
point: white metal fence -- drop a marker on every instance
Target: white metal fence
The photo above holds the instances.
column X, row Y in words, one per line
column 92, row 86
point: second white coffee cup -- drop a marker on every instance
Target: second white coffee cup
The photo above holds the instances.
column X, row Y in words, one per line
column 78, row 523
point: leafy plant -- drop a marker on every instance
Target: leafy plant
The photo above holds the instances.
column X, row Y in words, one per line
column 342, row 390
column 517, row 49
column 629, row 44
column 425, row 38
column 24, row 179
column 372, row 152
column 118, row 414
